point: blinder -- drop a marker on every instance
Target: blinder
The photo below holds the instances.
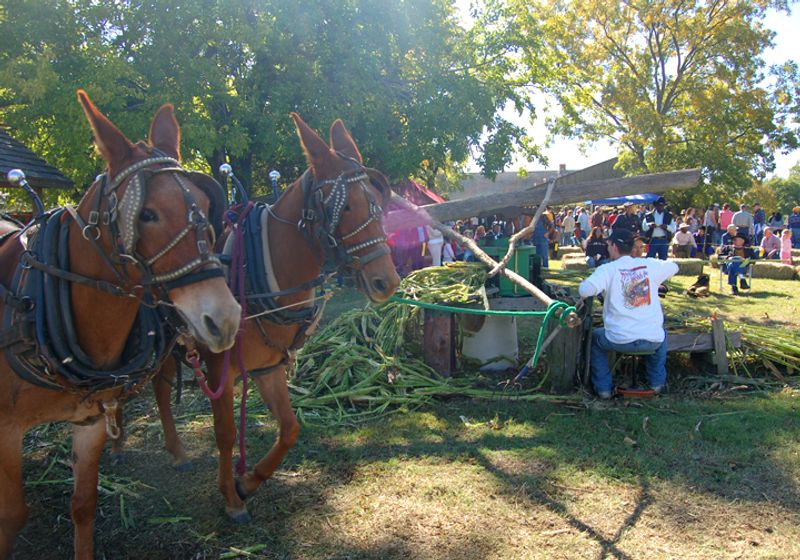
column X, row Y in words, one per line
column 216, row 198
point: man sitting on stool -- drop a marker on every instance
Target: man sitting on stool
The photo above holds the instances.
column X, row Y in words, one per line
column 632, row 316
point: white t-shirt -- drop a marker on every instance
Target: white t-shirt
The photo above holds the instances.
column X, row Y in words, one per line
column 631, row 308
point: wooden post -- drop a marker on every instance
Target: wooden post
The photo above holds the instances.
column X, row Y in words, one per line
column 720, row 346
column 439, row 335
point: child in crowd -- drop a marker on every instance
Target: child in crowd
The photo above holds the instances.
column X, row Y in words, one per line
column 786, row 246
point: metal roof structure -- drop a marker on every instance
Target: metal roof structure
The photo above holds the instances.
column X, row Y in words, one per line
column 39, row 173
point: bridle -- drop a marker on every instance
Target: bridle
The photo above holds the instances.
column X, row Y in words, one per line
column 122, row 214
column 322, row 213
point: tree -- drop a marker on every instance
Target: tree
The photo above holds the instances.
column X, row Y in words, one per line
column 672, row 83
column 418, row 92
column 786, row 191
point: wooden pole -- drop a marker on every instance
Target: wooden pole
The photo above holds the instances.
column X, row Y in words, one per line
column 720, row 346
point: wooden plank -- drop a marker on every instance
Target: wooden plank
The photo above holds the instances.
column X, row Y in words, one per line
column 720, row 347
column 698, row 342
column 439, row 341
column 563, row 194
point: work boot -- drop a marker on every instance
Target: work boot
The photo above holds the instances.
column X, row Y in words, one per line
column 743, row 284
column 734, row 290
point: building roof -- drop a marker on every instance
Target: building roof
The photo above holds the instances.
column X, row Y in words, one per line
column 40, row 174
column 476, row 184
column 416, row 193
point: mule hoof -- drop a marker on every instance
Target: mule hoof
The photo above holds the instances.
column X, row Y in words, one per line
column 241, row 491
column 240, row 517
column 184, row 467
column 118, row 459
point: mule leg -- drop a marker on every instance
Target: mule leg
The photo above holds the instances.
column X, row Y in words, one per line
column 225, row 433
column 162, row 387
column 87, row 446
column 275, row 393
column 13, row 510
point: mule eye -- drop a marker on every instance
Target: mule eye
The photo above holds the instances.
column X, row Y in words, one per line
column 147, row 215
column 346, row 207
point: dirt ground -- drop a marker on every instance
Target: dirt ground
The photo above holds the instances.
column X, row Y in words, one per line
column 466, row 480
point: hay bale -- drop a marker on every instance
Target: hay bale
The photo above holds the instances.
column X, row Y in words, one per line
column 796, row 252
column 567, row 250
column 773, row 270
column 574, row 262
column 797, row 271
column 689, row 267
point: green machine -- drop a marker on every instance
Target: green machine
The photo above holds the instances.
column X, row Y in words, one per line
column 524, row 262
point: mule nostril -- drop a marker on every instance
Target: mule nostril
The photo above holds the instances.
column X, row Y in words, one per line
column 379, row 284
column 211, row 326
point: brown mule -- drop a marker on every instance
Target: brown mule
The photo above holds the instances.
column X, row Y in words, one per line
column 161, row 237
column 265, row 344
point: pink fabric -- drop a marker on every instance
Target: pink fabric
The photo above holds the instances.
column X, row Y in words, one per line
column 725, row 218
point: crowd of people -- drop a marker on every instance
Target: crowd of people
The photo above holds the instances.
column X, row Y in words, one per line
column 745, row 234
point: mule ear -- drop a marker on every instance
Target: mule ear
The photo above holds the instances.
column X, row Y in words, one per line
column 315, row 148
column 341, row 141
column 111, row 143
column 165, row 134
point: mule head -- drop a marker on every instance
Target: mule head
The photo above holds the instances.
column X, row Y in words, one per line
column 351, row 199
column 154, row 227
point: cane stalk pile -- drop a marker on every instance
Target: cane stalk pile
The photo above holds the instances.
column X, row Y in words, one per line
column 773, row 351
column 362, row 365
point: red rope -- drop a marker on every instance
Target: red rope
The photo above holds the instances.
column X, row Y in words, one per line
column 236, row 284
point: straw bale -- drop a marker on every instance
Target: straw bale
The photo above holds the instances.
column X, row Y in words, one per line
column 567, row 250
column 773, row 270
column 575, row 263
column 689, row 267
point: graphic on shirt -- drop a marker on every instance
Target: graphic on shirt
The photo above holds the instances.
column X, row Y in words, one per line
column 635, row 287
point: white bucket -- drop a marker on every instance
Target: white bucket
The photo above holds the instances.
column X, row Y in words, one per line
column 494, row 345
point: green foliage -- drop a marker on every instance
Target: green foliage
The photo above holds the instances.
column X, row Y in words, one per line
column 673, row 84
column 410, row 83
column 786, row 191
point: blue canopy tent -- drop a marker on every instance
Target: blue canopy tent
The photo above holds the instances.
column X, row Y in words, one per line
column 646, row 198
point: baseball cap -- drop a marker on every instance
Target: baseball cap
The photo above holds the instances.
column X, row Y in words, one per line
column 661, row 200
column 621, row 236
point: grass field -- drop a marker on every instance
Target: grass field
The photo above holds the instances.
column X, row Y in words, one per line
column 674, row 477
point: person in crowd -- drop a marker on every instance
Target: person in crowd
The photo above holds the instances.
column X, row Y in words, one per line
column 759, row 223
column 480, row 233
column 727, row 237
column 448, row 252
column 539, row 239
column 629, row 220
column 639, row 248
column 683, row 242
column 703, row 245
column 658, row 227
column 770, row 245
column 596, row 248
column 435, row 243
column 497, row 231
column 793, row 224
column 578, row 236
column 786, row 246
column 737, row 259
column 776, row 223
column 632, row 316
column 567, row 229
column 596, row 219
column 690, row 217
column 725, row 217
column 743, row 220
column 711, row 223
column 612, row 217
column 553, row 238
column 582, row 219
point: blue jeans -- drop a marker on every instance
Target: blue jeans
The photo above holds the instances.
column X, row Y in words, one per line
column 734, row 269
column 543, row 250
column 593, row 263
column 601, row 374
column 658, row 247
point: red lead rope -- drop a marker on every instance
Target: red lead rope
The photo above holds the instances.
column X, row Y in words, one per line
column 236, row 284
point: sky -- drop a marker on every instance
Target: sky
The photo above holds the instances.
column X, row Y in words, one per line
column 561, row 150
